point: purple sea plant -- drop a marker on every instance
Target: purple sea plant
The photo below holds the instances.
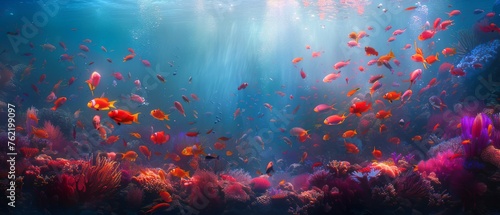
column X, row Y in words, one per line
column 475, row 130
column 395, row 157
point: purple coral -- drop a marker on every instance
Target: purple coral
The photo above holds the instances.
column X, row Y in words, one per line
column 475, row 130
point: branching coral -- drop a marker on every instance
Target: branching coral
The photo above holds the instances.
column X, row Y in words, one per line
column 98, row 181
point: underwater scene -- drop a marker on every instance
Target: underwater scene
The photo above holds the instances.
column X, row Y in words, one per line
column 250, row 107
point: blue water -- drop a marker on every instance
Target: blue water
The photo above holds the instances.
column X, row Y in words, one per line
column 209, row 48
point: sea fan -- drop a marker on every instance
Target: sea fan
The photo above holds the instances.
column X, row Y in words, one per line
column 55, row 136
column 466, row 42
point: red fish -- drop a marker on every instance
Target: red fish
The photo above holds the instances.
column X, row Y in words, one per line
column 427, row 34
column 192, row 134
column 302, row 74
column 159, row 137
column 243, row 86
column 370, row 51
column 335, row 119
column 341, row 64
column 128, row 57
column 145, row 151
column 58, row 103
column 122, row 116
column 360, row 107
column 454, row 13
column 296, row 60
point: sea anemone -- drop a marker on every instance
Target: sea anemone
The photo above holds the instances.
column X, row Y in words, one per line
column 235, row 192
column 149, row 179
column 412, row 186
column 205, row 190
column 319, row 178
column 28, row 152
column 260, row 184
column 98, row 181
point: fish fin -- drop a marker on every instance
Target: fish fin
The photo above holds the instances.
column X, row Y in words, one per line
column 112, row 104
column 136, row 117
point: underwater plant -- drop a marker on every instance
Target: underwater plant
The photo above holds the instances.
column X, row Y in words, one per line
column 475, row 134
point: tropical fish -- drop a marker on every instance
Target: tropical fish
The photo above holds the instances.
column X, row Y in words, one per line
column 376, row 153
column 122, row 116
column 391, row 96
column 269, row 168
column 360, row 107
column 179, row 108
column 180, row 173
column 159, row 137
column 60, row 101
column 335, row 119
column 159, row 114
column 101, row 104
column 145, row 151
column 94, row 80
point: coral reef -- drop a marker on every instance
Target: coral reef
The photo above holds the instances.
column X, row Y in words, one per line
column 481, row 54
column 491, row 155
column 475, row 133
column 339, row 168
column 444, row 164
column 151, row 181
column 260, row 184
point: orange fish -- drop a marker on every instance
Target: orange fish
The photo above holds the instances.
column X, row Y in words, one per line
column 432, row 58
column 122, row 116
column 192, row 134
column 130, row 156
column 391, row 96
column 223, row 138
column 417, row 138
column 159, row 114
column 382, row 114
column 351, row 92
column 112, row 139
column 180, row 173
column 128, row 57
column 165, row 196
column 136, row 135
column 39, row 132
column 58, row 103
column 351, row 148
column 326, row 137
column 376, row 153
column 411, row 8
column 465, row 142
column 102, row 132
column 385, row 58
column 229, row 153
column 349, row 134
column 101, row 104
column 33, row 117
column 145, row 151
column 296, row 60
column 434, row 129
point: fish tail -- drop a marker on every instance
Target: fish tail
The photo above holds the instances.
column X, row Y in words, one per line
column 53, row 108
column 112, row 104
column 136, row 117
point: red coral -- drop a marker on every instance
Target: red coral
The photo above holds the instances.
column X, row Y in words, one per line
column 65, row 190
column 260, row 184
column 29, row 152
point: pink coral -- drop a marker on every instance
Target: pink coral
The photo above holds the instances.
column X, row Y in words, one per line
column 260, row 184
column 55, row 136
column 235, row 192
column 444, row 165
column 491, row 155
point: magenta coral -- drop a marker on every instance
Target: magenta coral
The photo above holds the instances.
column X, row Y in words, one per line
column 260, row 184
column 235, row 192
column 475, row 130
column 444, row 165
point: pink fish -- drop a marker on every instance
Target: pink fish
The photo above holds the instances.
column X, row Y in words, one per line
column 84, row 48
column 341, row 64
column 302, row 74
column 398, row 32
column 179, row 107
column 352, row 43
column 374, row 78
column 236, row 113
column 371, row 62
column 323, row 108
column 407, row 46
column 268, row 106
column 454, row 13
column 195, row 97
column 96, row 121
column 137, row 98
column 137, row 84
column 51, row 97
column 416, row 74
column 396, row 62
column 298, row 131
column 104, row 49
column 406, row 96
column 330, row 77
column 66, row 57
column 391, row 39
column 388, row 28
column 94, row 80
column 243, row 86
column 118, row 76
column 146, row 63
